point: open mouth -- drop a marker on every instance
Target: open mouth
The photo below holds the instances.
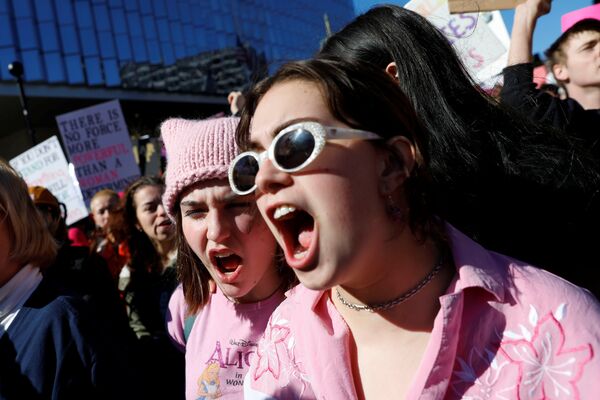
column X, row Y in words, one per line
column 297, row 228
column 227, row 263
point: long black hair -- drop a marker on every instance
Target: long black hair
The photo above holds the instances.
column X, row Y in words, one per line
column 470, row 132
column 498, row 176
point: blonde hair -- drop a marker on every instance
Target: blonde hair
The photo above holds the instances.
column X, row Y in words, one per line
column 114, row 196
column 30, row 239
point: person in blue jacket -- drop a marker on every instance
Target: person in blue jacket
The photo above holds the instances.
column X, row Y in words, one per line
column 53, row 344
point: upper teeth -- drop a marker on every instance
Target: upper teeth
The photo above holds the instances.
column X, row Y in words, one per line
column 282, row 211
column 223, row 255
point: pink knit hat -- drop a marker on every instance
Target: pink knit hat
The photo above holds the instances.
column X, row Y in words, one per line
column 573, row 17
column 197, row 150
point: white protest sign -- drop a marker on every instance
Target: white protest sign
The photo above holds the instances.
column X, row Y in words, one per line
column 477, row 44
column 98, row 144
column 45, row 165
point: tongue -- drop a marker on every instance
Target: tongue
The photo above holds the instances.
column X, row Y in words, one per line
column 230, row 263
column 305, row 237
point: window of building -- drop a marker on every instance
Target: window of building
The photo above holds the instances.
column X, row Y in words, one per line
column 32, row 62
column 101, row 17
column 107, row 45
column 111, row 72
column 93, row 71
column 135, row 24
column 6, row 35
column 168, row 55
column 154, row 52
column 43, row 10
column 123, row 47
column 49, row 36
column 22, row 8
column 160, row 10
column 118, row 21
column 68, row 36
column 149, row 27
column 74, row 69
column 26, row 32
column 7, row 55
column 55, row 69
column 89, row 43
column 140, row 54
column 84, row 14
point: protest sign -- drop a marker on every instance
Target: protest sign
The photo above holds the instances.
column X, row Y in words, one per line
column 478, row 38
column 46, row 165
column 462, row 6
column 98, row 145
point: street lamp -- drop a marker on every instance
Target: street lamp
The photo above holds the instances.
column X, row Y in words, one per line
column 16, row 69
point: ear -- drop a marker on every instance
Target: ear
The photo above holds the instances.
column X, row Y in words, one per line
column 392, row 70
column 561, row 72
column 396, row 164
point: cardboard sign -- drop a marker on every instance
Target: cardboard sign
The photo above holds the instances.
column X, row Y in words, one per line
column 45, row 165
column 98, row 144
column 462, row 6
column 478, row 38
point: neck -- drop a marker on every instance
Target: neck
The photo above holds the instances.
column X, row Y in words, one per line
column 588, row 97
column 403, row 266
column 164, row 248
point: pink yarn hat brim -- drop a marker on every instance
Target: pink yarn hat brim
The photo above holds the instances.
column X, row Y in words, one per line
column 573, row 17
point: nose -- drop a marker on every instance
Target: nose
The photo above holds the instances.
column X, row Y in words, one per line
column 160, row 210
column 218, row 228
column 269, row 179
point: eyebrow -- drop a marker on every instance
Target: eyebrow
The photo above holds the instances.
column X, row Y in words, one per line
column 586, row 44
column 255, row 146
column 227, row 198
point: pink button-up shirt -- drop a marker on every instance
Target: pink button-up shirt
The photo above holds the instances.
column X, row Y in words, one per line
column 505, row 330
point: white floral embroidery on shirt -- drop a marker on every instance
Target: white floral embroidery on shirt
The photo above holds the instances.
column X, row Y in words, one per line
column 482, row 387
column 268, row 353
column 276, row 355
column 546, row 369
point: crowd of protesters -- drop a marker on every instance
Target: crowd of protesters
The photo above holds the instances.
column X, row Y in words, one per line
column 367, row 224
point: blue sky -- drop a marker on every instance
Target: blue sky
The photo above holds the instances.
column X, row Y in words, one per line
column 548, row 27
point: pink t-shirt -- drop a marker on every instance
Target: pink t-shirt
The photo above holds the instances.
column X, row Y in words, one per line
column 221, row 343
column 505, row 330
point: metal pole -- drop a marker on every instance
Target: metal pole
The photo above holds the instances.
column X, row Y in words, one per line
column 16, row 69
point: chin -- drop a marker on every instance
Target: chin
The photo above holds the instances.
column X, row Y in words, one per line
column 314, row 280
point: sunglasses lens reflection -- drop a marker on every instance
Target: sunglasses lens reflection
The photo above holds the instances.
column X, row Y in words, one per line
column 244, row 173
column 294, row 148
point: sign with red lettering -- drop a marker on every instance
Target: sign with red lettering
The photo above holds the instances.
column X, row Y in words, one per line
column 98, row 144
column 461, row 6
column 45, row 165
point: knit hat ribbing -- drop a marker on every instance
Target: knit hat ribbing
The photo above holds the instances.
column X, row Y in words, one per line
column 197, row 150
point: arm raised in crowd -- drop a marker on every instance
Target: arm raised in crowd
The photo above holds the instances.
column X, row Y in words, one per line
column 525, row 20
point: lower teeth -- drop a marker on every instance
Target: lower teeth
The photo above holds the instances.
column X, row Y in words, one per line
column 300, row 254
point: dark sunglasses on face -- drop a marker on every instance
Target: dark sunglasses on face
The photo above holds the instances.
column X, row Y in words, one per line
column 291, row 150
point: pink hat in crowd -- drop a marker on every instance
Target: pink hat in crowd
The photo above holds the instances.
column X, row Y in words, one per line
column 573, row 17
column 197, row 150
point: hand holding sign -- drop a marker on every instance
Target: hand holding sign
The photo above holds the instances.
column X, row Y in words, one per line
column 458, row 6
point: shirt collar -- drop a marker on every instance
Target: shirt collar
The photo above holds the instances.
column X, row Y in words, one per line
column 476, row 266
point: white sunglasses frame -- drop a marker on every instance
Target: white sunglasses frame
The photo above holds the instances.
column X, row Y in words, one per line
column 319, row 132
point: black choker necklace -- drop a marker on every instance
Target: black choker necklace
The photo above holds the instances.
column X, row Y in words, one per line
column 394, row 302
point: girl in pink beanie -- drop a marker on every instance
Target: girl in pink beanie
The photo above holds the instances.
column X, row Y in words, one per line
column 230, row 280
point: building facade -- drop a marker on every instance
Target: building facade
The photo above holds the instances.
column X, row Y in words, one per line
column 147, row 53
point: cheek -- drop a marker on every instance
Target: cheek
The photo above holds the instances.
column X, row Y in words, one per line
column 260, row 245
column 247, row 221
column 195, row 236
